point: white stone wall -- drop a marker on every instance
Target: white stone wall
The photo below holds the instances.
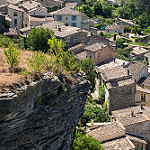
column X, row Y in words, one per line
column 19, row 18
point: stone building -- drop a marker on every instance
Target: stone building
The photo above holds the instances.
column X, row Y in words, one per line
column 114, row 137
column 114, row 29
column 119, row 88
column 100, row 53
column 16, row 15
column 126, row 22
column 136, row 120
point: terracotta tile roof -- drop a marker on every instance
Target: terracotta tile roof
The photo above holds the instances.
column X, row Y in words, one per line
column 106, row 130
column 15, row 8
column 142, row 89
column 12, row 31
column 135, row 68
column 14, row 1
column 71, row 5
column 125, row 118
column 147, row 81
column 114, row 73
column 113, row 27
column 30, row 5
column 66, row 11
column 65, row 30
column 138, row 51
column 94, row 47
column 134, row 138
column 127, row 21
column 81, row 55
column 39, row 19
column 26, row 29
column 122, row 143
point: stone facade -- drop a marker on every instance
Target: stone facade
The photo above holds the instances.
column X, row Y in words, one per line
column 42, row 115
column 50, row 3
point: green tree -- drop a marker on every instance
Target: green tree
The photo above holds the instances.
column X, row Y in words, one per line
column 83, row 142
column 102, row 93
column 98, row 10
column 119, row 43
column 12, row 55
column 107, row 11
column 38, row 39
column 86, row 9
column 88, row 66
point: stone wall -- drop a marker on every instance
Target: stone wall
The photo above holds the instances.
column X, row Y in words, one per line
column 42, row 115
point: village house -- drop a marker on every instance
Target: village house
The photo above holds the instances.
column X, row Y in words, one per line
column 136, row 121
column 74, row 1
column 68, row 16
column 113, row 136
column 125, row 22
column 138, row 53
column 71, row 6
column 143, row 93
column 120, row 88
column 51, row 3
column 16, row 16
column 119, row 29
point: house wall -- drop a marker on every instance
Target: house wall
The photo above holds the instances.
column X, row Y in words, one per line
column 138, row 98
column 142, row 73
column 39, row 12
column 26, row 19
column 19, row 18
column 100, row 39
column 67, row 19
column 119, row 97
column 119, row 31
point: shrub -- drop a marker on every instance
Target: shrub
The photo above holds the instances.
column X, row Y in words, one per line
column 38, row 62
column 12, row 55
column 102, row 93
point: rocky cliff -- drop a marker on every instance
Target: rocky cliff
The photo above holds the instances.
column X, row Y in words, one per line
column 42, row 115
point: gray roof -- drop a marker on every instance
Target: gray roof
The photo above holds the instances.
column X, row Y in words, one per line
column 15, row 8
column 66, row 11
column 94, row 47
column 113, row 27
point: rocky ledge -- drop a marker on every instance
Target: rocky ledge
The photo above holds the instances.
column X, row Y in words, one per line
column 42, row 115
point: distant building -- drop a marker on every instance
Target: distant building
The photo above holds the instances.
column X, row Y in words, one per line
column 68, row 16
column 114, row 29
column 136, row 121
column 125, row 22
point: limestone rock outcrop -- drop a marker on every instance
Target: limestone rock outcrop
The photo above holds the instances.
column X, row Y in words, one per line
column 42, row 115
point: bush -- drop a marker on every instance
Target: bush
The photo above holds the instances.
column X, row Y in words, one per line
column 98, row 26
column 38, row 62
column 102, row 93
column 4, row 41
column 83, row 142
column 12, row 55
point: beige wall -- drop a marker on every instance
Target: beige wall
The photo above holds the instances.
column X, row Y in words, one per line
column 68, row 19
column 19, row 18
column 39, row 12
column 120, row 31
column 103, row 55
column 138, row 98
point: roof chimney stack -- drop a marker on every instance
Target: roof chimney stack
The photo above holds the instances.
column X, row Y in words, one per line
column 59, row 29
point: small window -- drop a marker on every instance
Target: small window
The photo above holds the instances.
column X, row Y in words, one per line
column 59, row 17
column 74, row 17
column 143, row 97
column 66, row 18
column 73, row 24
column 15, row 22
column 68, row 39
column 15, row 13
column 98, row 54
column 75, row 40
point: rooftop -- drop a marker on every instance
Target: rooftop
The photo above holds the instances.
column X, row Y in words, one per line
column 65, row 30
column 14, row 2
column 138, row 51
column 66, row 11
column 81, row 55
column 39, row 19
column 12, row 31
column 127, row 21
column 142, row 89
column 125, row 118
column 147, row 81
column 71, row 5
column 94, row 47
column 122, row 143
column 113, row 27
column 100, row 133
column 15, row 8
column 30, row 5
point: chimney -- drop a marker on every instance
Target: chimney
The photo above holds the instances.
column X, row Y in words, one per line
column 128, row 72
column 59, row 29
column 132, row 114
column 123, row 65
column 85, row 28
column 92, row 121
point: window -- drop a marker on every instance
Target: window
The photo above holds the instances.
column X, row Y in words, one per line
column 143, row 97
column 108, row 30
column 74, row 17
column 75, row 40
column 15, row 22
column 15, row 13
column 98, row 54
column 73, row 24
column 68, row 39
column 59, row 17
column 66, row 18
